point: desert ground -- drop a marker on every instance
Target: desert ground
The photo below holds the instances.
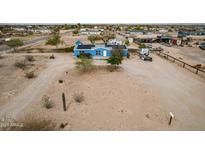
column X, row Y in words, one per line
column 138, row 96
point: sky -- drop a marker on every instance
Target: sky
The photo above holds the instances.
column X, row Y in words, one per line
column 102, row 11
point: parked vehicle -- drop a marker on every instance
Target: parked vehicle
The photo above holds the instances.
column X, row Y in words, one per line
column 202, row 46
column 144, row 54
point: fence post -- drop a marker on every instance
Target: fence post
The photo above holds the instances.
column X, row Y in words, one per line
column 64, row 103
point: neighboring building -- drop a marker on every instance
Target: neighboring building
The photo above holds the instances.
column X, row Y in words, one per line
column 130, row 40
column 102, row 50
column 139, row 32
column 165, row 39
column 114, row 42
column 176, row 41
column 184, row 34
column 85, row 31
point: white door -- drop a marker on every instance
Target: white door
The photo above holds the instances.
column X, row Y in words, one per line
column 104, row 53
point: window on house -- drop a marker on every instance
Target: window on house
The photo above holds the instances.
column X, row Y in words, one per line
column 97, row 53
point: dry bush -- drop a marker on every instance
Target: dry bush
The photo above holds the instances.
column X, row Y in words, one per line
column 31, row 123
column 112, row 68
column 20, row 64
column 1, row 57
column 52, row 57
column 30, row 74
column 29, row 58
column 46, row 102
column 78, row 97
column 84, row 64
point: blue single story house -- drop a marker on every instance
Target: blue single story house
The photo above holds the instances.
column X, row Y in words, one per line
column 102, row 50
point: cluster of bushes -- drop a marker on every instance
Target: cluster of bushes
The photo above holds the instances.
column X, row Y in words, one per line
column 22, row 63
column 54, row 40
column 14, row 43
column 46, row 102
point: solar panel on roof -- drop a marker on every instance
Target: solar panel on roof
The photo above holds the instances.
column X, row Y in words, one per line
column 116, row 46
column 88, row 46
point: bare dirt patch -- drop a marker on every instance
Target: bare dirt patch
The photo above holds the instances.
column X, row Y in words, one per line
column 111, row 101
column 13, row 79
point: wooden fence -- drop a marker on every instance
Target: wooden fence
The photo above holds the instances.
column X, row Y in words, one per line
column 184, row 64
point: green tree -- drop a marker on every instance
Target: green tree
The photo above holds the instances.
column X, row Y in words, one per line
column 142, row 46
column 84, row 64
column 54, row 40
column 14, row 43
column 127, row 42
column 115, row 59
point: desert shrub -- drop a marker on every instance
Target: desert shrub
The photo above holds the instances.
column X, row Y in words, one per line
column 78, row 97
column 30, row 74
column 29, row 58
column 46, row 102
column 20, row 64
column 52, row 57
column 84, row 64
column 31, row 123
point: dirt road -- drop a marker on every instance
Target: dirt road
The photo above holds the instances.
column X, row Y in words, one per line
column 35, row 90
column 181, row 91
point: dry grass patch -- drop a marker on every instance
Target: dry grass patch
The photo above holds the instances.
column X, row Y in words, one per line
column 78, row 97
column 29, row 58
column 47, row 102
column 20, row 64
column 30, row 74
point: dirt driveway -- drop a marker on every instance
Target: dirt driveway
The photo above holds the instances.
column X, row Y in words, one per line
column 180, row 90
column 36, row 89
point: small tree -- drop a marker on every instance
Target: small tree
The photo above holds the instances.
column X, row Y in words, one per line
column 115, row 59
column 14, row 43
column 142, row 46
column 127, row 42
column 54, row 40
column 84, row 64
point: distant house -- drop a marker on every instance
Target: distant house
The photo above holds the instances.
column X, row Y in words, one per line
column 100, row 50
column 139, row 32
column 184, row 33
column 86, row 31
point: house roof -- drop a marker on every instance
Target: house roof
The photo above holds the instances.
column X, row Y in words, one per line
column 90, row 46
column 87, row 46
column 115, row 46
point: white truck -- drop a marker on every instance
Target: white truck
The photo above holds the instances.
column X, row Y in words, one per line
column 144, row 54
